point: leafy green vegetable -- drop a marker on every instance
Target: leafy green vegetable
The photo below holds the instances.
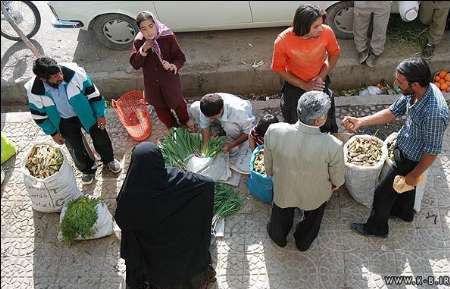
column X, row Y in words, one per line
column 79, row 219
column 180, row 144
column 226, row 200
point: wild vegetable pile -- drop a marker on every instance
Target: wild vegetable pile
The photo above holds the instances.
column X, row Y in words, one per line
column 364, row 152
column 79, row 219
column 180, row 144
column 258, row 165
column 226, row 200
column 44, row 161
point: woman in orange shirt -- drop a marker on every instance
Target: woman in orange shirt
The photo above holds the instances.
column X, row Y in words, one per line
column 303, row 56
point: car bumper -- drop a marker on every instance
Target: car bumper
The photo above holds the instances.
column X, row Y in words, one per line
column 58, row 23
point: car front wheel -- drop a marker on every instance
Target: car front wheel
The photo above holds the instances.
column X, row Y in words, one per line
column 115, row 31
column 340, row 19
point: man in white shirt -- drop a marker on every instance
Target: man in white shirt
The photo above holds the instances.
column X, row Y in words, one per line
column 236, row 118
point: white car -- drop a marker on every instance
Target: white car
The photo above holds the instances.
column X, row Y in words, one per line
column 114, row 25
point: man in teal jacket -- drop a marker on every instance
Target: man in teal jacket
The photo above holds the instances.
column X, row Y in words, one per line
column 62, row 100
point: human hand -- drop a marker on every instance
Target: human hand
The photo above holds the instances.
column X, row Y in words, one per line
column 227, row 147
column 147, row 45
column 101, row 122
column 412, row 180
column 315, row 84
column 58, row 138
column 169, row 66
column 351, row 124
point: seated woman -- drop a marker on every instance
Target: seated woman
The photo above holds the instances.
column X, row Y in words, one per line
column 165, row 216
column 256, row 135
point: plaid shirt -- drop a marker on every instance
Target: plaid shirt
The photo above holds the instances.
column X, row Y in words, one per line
column 426, row 121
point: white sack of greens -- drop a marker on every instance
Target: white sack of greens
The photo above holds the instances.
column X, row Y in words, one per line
column 183, row 150
column 48, row 178
column 85, row 218
column 364, row 157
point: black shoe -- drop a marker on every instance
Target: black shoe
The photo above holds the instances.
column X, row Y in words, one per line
column 362, row 56
column 361, row 229
column 281, row 244
column 428, row 51
column 372, row 60
column 407, row 219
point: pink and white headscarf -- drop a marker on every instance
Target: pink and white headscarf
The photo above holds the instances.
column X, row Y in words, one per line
column 161, row 30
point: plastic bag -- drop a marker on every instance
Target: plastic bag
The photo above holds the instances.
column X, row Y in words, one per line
column 361, row 181
column 104, row 226
column 49, row 195
column 259, row 185
column 8, row 148
column 217, row 168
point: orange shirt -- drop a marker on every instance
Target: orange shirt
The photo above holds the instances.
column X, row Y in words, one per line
column 303, row 57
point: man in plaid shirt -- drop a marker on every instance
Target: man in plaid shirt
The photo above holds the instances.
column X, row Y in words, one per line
column 418, row 143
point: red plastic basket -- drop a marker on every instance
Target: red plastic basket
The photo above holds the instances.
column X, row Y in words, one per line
column 132, row 111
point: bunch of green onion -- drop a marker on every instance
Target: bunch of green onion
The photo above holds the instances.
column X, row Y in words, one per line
column 226, row 200
column 180, row 144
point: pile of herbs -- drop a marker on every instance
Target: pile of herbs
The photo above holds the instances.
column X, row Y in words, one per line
column 180, row 144
column 79, row 218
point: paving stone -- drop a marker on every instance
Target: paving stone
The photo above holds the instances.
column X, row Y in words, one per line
column 245, row 257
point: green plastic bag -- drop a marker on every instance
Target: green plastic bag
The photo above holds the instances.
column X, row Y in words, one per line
column 8, row 148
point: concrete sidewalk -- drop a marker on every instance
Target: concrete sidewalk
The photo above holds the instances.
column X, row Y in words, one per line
column 245, row 258
column 236, row 61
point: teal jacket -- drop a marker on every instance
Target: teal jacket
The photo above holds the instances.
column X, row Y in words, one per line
column 83, row 96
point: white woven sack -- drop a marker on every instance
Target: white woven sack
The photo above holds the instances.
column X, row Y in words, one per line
column 420, row 188
column 103, row 226
column 388, row 163
column 362, row 181
column 49, row 195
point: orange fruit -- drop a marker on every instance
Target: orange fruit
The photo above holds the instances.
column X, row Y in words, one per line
column 442, row 74
column 444, row 86
column 442, row 81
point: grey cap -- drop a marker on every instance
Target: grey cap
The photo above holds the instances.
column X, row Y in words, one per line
column 312, row 105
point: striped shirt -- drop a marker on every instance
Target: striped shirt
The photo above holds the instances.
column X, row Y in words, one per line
column 426, row 121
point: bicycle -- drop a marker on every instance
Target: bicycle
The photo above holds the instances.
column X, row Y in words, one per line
column 26, row 16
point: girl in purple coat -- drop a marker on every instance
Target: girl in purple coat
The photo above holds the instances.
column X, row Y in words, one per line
column 156, row 51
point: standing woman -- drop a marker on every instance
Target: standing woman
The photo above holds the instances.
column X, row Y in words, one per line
column 303, row 56
column 165, row 216
column 156, row 51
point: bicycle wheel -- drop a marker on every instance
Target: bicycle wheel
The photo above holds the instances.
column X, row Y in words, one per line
column 25, row 14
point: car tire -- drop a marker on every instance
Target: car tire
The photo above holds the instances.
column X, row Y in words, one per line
column 105, row 37
column 339, row 18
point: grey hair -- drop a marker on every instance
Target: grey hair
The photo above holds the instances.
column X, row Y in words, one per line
column 313, row 105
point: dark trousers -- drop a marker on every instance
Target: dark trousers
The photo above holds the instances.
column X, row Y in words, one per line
column 281, row 221
column 288, row 103
column 166, row 116
column 387, row 202
column 70, row 129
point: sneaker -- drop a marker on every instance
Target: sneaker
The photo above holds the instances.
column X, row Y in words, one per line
column 362, row 56
column 427, row 51
column 361, row 229
column 114, row 166
column 372, row 60
column 87, row 179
